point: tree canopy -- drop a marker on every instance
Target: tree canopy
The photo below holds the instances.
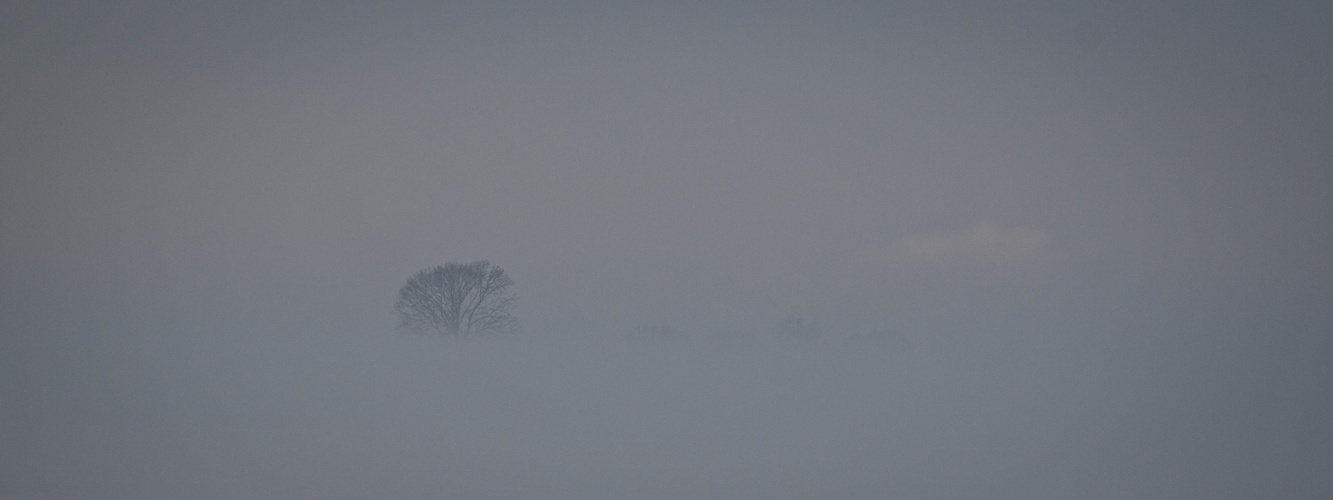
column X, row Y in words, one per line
column 458, row 299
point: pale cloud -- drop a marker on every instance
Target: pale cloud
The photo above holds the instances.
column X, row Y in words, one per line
column 986, row 244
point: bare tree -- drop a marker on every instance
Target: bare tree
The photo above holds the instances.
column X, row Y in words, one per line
column 458, row 299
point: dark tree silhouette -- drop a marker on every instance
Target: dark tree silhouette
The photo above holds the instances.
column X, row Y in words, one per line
column 458, row 299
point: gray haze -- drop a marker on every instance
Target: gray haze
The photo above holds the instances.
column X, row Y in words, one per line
column 1037, row 250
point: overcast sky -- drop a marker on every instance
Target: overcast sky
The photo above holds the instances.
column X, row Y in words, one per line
column 1095, row 223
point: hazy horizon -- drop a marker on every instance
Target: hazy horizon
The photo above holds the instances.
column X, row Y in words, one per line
column 1053, row 250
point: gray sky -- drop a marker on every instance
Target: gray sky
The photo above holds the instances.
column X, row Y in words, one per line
column 1099, row 232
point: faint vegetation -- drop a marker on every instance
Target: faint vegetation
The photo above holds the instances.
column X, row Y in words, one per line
column 458, row 299
column 796, row 326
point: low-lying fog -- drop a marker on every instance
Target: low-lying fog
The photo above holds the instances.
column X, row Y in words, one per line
column 650, row 413
column 937, row 249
